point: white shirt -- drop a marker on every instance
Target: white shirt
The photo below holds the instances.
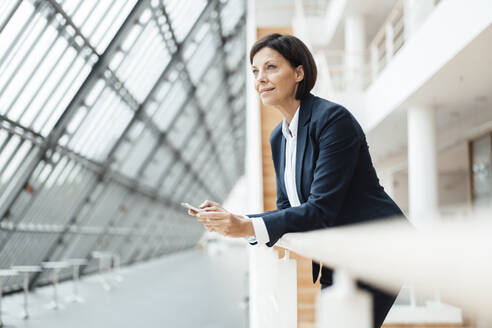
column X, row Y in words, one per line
column 290, row 135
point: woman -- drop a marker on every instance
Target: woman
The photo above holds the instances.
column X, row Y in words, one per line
column 325, row 176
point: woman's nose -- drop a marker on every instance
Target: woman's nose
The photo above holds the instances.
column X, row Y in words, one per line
column 260, row 76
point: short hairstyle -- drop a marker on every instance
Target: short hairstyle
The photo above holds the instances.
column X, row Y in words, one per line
column 296, row 53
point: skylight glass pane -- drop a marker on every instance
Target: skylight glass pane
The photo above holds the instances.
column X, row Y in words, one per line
column 100, row 129
column 208, row 85
column 170, row 106
column 145, row 58
column 40, row 71
column 183, row 14
column 187, row 120
column 230, row 15
column 161, row 160
column 194, row 145
column 139, row 153
column 68, row 182
column 235, row 49
column 172, row 177
column 202, row 57
column 7, row 8
column 98, row 20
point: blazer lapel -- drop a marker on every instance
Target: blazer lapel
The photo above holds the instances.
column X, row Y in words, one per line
column 282, row 164
column 302, row 133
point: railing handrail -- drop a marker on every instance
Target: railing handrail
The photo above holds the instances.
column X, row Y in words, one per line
column 383, row 46
column 394, row 13
column 343, row 52
column 452, row 256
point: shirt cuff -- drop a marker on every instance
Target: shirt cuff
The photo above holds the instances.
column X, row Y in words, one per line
column 261, row 232
column 251, row 239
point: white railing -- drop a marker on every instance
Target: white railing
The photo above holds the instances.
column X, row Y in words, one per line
column 324, row 86
column 315, row 7
column 273, row 289
column 299, row 23
column 449, row 261
column 388, row 40
column 343, row 77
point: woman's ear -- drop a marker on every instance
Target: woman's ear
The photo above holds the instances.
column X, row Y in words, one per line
column 299, row 73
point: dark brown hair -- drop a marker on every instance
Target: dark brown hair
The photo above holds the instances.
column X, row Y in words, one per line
column 296, row 53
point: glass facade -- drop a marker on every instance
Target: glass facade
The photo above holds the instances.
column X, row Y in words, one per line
column 111, row 113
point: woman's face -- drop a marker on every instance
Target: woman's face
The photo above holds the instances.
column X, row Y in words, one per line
column 275, row 79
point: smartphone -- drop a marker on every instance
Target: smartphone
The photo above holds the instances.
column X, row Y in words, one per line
column 191, row 207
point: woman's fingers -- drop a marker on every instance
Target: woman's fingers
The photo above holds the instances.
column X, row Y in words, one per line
column 213, row 215
column 213, row 221
column 191, row 212
column 209, row 203
column 214, row 209
column 213, row 226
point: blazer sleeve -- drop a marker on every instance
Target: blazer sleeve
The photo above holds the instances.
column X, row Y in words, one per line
column 339, row 143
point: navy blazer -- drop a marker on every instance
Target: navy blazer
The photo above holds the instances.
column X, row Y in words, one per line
column 336, row 181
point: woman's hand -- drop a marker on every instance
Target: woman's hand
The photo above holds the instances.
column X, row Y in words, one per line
column 215, row 218
column 204, row 205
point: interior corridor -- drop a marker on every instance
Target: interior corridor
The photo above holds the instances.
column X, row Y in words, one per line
column 194, row 288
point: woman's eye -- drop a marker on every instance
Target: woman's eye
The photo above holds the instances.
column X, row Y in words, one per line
column 271, row 66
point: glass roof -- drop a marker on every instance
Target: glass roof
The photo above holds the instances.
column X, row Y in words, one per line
column 111, row 114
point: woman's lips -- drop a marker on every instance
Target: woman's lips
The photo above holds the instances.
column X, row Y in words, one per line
column 266, row 91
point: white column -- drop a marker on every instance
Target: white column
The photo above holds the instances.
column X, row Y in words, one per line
column 355, row 45
column 254, row 174
column 422, row 163
column 415, row 13
column 253, row 127
column 275, row 289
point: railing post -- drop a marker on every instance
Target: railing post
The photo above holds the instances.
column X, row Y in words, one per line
column 273, row 293
column 413, row 295
column 343, row 305
column 374, row 61
column 389, row 41
column 287, row 291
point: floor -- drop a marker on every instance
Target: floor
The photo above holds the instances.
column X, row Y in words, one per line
column 191, row 289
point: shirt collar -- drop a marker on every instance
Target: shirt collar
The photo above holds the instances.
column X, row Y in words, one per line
column 292, row 126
